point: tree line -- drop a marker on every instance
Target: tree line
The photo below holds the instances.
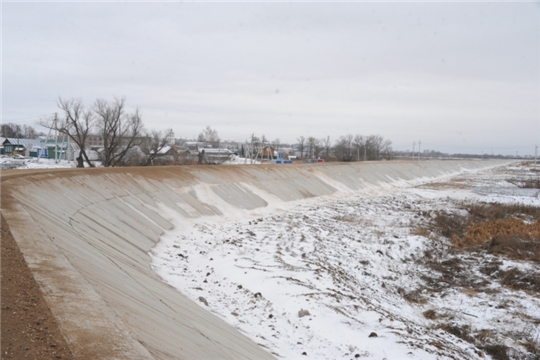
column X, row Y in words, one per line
column 11, row 130
column 125, row 141
column 120, row 131
column 347, row 147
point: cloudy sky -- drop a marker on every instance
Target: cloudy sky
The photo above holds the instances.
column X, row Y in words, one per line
column 458, row 77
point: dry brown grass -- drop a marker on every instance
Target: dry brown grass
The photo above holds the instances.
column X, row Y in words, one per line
column 457, row 184
column 483, row 340
column 481, row 212
column 503, row 230
column 450, row 224
column 430, row 314
column 414, row 296
column 463, row 332
column 531, row 184
column 512, row 238
column 510, row 231
column 484, row 335
column 470, row 292
column 497, row 352
column 452, row 272
column 533, row 347
column 421, row 232
column 516, row 246
column 518, row 280
column 481, row 233
column 491, row 268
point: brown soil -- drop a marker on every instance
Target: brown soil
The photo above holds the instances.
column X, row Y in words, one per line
column 28, row 328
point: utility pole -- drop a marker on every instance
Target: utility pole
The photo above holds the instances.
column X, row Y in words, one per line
column 258, row 151
column 419, row 142
column 120, row 131
column 56, row 138
column 365, row 151
column 413, row 148
column 64, row 148
column 48, row 136
column 251, row 152
column 535, row 153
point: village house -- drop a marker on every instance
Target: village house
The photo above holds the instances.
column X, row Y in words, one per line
column 192, row 149
column 16, row 146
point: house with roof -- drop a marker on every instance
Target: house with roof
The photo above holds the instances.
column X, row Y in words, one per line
column 167, row 155
column 268, row 152
column 209, row 155
column 16, row 146
column 51, row 149
column 216, row 156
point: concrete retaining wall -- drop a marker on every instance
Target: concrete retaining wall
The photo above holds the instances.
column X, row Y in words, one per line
column 86, row 234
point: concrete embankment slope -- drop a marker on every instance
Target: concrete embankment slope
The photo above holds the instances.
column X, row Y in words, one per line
column 86, row 235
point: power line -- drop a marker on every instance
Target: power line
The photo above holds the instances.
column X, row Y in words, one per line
column 26, row 120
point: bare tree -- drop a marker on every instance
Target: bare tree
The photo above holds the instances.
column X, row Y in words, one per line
column 344, row 148
column 386, row 149
column 11, row 130
column 359, row 144
column 253, row 147
column 30, row 132
column 327, row 145
column 276, row 143
column 77, row 123
column 302, row 143
column 209, row 135
column 311, row 142
column 155, row 142
column 317, row 148
column 374, row 144
column 120, row 131
column 260, row 146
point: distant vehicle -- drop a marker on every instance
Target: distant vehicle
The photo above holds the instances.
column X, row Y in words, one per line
column 314, row 160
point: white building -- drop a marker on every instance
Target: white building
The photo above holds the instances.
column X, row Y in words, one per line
column 170, row 137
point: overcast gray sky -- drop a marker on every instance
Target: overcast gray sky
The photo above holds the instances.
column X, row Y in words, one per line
column 458, row 77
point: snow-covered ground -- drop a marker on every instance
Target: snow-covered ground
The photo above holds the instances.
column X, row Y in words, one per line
column 350, row 278
column 237, row 160
column 33, row 163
